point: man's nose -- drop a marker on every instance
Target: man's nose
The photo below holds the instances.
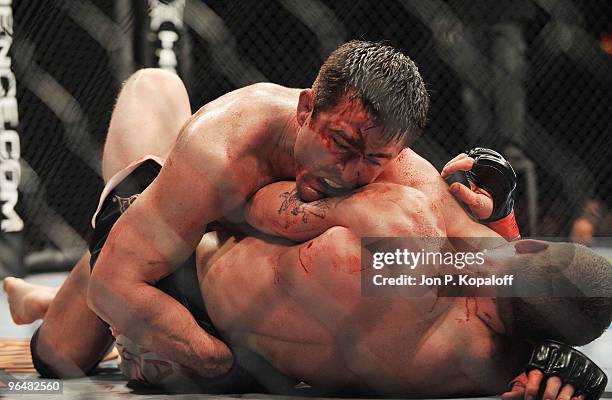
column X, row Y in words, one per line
column 353, row 173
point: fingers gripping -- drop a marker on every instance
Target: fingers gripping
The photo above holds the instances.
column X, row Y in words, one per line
column 464, row 163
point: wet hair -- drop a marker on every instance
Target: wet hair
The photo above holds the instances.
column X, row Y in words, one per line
column 386, row 81
column 575, row 295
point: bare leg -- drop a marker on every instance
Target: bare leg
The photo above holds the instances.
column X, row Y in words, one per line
column 27, row 302
column 148, row 115
column 73, row 354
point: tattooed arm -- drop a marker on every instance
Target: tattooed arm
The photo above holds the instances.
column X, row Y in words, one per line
column 378, row 209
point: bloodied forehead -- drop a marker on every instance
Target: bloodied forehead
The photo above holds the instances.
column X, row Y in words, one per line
column 350, row 119
column 350, row 109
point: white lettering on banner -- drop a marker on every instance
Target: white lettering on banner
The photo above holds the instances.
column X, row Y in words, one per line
column 10, row 149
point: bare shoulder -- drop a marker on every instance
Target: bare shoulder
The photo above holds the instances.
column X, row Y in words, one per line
column 230, row 128
column 411, row 200
column 392, row 191
column 390, row 209
column 410, row 169
column 263, row 97
column 241, row 117
column 270, row 89
column 389, row 198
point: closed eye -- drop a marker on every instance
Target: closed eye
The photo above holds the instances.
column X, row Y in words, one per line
column 340, row 144
column 373, row 161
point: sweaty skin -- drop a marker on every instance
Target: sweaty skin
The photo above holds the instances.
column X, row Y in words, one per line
column 300, row 306
column 303, row 305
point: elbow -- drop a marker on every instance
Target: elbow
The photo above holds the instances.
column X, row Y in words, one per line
column 111, row 295
column 96, row 292
column 106, row 283
column 103, row 290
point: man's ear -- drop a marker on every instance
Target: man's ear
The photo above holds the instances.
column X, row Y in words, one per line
column 530, row 246
column 305, row 105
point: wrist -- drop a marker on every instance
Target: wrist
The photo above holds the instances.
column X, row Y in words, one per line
column 506, row 227
column 216, row 360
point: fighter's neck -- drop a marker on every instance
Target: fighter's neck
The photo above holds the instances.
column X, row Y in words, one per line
column 280, row 148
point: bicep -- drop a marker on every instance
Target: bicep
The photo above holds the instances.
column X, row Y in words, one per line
column 161, row 229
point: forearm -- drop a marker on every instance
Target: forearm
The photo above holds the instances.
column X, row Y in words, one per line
column 122, row 292
column 277, row 210
column 158, row 322
column 377, row 209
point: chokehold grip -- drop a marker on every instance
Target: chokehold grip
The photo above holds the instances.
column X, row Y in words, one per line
column 558, row 359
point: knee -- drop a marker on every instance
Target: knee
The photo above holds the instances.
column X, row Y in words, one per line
column 155, row 81
column 54, row 361
column 154, row 76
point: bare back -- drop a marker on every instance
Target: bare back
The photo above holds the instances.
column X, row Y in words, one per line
column 300, row 307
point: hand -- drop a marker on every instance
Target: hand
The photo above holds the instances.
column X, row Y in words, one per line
column 130, row 362
column 151, row 369
column 479, row 201
column 527, row 387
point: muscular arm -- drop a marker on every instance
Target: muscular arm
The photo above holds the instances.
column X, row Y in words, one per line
column 409, row 199
column 406, row 199
column 158, row 232
column 378, row 209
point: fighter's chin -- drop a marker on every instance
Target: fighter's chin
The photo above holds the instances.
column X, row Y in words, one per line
column 308, row 194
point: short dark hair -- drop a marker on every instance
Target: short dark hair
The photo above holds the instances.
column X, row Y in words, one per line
column 579, row 282
column 386, row 81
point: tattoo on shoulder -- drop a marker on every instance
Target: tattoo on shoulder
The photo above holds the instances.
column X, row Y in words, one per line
column 297, row 207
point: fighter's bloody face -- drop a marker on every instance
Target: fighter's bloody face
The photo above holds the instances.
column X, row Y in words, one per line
column 338, row 149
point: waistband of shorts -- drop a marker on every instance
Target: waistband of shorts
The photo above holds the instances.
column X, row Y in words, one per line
column 118, row 177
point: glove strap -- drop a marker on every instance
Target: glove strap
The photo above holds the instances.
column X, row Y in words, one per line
column 506, row 227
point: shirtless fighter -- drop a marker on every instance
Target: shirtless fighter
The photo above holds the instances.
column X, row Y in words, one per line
column 328, row 137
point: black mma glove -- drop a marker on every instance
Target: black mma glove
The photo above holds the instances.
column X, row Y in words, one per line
column 571, row 366
column 493, row 173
